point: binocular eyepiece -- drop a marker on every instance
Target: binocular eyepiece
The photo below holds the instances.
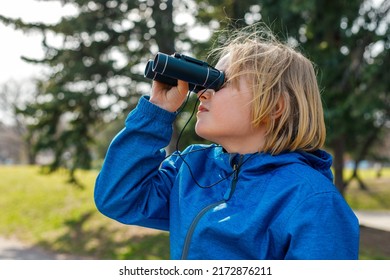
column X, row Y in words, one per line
column 168, row 69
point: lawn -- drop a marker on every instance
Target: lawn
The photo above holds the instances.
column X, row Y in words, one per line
column 376, row 197
column 45, row 210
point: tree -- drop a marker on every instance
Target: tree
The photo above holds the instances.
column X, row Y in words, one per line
column 94, row 73
column 341, row 45
column 374, row 125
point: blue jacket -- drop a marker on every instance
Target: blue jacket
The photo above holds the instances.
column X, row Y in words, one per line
column 218, row 205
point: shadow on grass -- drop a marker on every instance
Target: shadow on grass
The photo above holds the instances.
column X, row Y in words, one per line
column 376, row 196
column 107, row 243
column 381, row 200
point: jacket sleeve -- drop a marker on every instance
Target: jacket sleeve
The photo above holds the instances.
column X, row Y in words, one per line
column 323, row 227
column 133, row 186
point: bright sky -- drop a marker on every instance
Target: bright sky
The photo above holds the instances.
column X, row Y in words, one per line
column 14, row 44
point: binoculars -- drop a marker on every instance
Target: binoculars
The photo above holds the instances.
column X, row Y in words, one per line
column 168, row 69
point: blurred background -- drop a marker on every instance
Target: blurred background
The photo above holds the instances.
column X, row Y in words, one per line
column 71, row 70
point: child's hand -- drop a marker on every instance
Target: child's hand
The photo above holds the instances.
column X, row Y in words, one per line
column 167, row 97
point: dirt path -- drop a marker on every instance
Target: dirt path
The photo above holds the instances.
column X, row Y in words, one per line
column 12, row 249
column 376, row 240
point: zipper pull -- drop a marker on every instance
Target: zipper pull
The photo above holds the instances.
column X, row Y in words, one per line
column 236, row 168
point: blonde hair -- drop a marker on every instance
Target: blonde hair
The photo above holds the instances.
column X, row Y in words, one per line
column 277, row 75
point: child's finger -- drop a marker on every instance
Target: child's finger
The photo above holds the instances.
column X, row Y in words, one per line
column 182, row 87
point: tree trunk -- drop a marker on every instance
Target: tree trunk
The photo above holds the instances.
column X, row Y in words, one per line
column 356, row 176
column 371, row 138
column 166, row 44
column 338, row 146
column 164, row 27
column 31, row 155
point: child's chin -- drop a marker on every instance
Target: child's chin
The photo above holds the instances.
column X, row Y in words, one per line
column 201, row 132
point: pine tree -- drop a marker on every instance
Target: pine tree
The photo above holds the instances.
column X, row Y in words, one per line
column 96, row 75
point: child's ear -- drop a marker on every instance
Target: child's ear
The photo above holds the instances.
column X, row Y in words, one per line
column 279, row 108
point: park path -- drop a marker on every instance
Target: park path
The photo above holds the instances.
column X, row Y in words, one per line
column 12, row 249
column 374, row 219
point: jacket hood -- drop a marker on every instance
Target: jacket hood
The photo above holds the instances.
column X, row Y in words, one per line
column 319, row 160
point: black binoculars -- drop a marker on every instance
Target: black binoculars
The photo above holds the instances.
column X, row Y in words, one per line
column 168, row 69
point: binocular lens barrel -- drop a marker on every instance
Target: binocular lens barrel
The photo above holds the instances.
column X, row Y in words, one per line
column 149, row 73
column 168, row 69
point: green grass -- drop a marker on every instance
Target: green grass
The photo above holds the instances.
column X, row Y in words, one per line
column 377, row 197
column 44, row 210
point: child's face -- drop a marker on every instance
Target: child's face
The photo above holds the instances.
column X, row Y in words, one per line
column 224, row 117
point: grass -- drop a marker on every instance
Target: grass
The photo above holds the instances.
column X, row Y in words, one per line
column 44, row 210
column 377, row 197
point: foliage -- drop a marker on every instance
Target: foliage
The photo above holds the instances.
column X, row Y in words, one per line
column 93, row 75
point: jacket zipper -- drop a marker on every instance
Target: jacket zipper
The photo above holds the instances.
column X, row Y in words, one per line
column 228, row 195
column 194, row 223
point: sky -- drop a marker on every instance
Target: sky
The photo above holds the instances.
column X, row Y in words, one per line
column 14, row 44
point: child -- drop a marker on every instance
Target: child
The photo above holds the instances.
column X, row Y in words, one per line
column 263, row 191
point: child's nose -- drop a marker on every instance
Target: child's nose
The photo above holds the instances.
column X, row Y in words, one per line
column 205, row 94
